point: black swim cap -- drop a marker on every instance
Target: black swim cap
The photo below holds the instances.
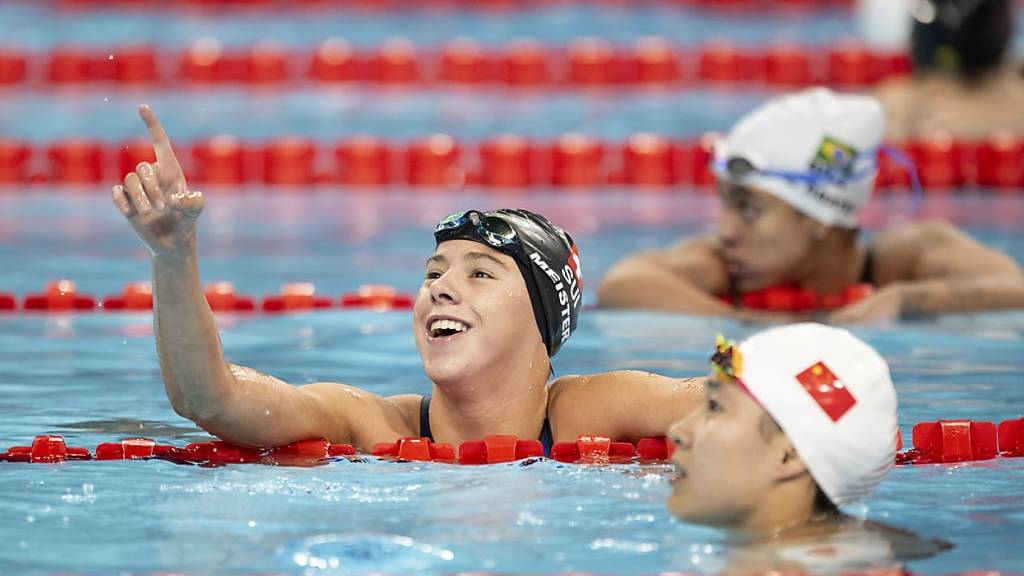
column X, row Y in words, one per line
column 966, row 37
column 547, row 258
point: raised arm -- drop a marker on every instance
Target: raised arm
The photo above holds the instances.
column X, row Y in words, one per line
column 235, row 403
column 933, row 268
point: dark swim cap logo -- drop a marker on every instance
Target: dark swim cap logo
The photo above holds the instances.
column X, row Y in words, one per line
column 568, row 286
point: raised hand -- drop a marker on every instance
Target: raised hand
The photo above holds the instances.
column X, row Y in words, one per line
column 155, row 198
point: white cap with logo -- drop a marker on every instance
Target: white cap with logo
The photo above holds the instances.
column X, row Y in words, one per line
column 832, row 395
column 814, row 149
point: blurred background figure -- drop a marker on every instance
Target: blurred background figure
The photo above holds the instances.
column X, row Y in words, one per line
column 965, row 80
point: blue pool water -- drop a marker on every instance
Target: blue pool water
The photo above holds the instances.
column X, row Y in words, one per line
column 94, row 377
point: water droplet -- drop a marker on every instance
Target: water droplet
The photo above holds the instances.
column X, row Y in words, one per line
column 252, row 523
column 266, row 412
column 30, row 519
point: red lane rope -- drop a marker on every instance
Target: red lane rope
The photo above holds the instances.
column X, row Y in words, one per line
column 508, row 161
column 494, row 449
column 61, row 296
column 944, row 441
column 586, row 62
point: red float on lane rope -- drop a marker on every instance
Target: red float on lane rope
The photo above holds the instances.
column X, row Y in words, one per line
column 335, row 60
column 377, row 297
column 76, row 161
column 593, row 62
column 577, row 160
column 131, row 153
column 433, row 161
column 60, row 296
column 135, row 65
column 1000, row 161
column 396, row 62
column 508, row 160
column 948, row 441
column 295, row 297
column 650, row 160
column 464, row 61
column 364, row 161
column 221, row 297
column 14, row 158
column 525, row 64
column 653, row 60
column 290, row 161
column 220, row 160
column 136, row 296
column 416, row 449
column 13, row 66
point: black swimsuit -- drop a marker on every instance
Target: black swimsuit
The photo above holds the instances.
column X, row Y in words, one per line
column 867, row 274
column 546, row 439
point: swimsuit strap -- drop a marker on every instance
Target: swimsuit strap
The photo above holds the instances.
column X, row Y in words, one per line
column 425, row 418
column 867, row 274
column 546, row 438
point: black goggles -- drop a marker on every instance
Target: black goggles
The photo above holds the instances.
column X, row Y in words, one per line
column 493, row 230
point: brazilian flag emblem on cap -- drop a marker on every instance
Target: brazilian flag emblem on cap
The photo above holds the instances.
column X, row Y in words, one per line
column 834, row 157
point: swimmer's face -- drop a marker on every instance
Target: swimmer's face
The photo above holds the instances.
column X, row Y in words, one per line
column 762, row 240
column 726, row 463
column 472, row 314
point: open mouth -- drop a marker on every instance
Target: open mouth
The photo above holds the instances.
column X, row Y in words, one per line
column 445, row 328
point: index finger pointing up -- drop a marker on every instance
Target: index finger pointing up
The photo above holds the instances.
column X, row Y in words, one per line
column 161, row 144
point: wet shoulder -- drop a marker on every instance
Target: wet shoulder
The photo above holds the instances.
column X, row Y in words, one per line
column 899, row 252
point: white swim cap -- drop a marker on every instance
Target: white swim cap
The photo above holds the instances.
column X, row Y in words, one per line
column 815, row 149
column 832, row 395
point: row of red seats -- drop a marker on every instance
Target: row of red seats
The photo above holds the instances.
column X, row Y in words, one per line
column 573, row 160
column 584, row 62
column 948, row 441
column 724, row 5
column 493, row 449
column 62, row 296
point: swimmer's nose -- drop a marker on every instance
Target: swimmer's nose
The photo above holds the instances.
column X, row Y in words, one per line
column 443, row 291
column 730, row 227
column 680, row 434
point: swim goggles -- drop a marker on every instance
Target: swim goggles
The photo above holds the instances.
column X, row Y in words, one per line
column 491, row 229
column 727, row 360
column 739, row 167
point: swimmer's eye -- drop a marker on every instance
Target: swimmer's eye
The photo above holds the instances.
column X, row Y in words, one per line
column 749, row 212
column 432, row 275
column 482, row 274
column 713, row 405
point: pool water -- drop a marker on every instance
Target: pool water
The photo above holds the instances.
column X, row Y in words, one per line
column 94, row 378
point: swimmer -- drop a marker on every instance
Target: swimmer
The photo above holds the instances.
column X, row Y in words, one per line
column 793, row 176
column 963, row 83
column 501, row 294
column 798, row 422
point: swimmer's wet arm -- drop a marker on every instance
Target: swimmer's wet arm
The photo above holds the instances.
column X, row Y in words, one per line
column 684, row 278
column 622, row 405
column 239, row 404
column 933, row 268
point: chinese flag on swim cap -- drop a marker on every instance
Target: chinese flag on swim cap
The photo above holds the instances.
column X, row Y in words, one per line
column 832, row 395
column 828, row 391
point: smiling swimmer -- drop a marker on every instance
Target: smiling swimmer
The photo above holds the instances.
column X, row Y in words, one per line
column 500, row 296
